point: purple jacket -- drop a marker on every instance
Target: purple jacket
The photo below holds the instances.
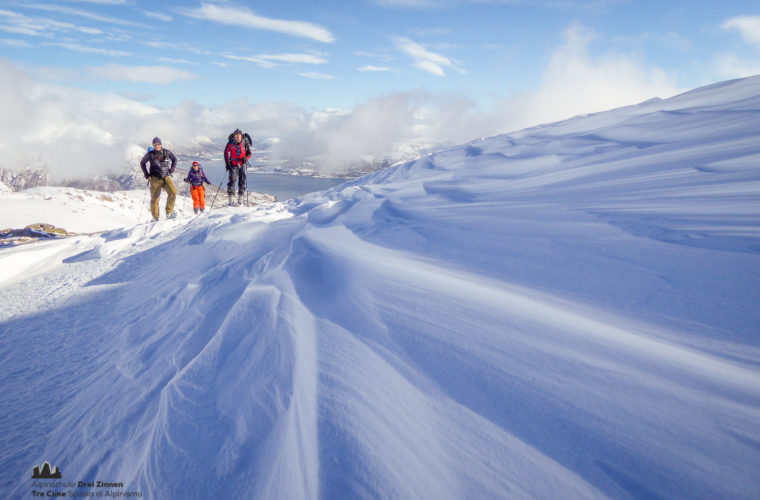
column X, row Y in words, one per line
column 197, row 177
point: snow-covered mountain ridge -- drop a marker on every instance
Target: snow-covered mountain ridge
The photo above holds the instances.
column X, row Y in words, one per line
column 565, row 311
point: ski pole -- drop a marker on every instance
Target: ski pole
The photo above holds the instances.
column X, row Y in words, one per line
column 217, row 192
column 142, row 205
column 245, row 168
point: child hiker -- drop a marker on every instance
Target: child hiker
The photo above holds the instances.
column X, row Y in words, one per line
column 196, row 178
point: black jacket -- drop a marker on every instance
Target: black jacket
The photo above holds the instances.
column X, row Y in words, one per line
column 159, row 163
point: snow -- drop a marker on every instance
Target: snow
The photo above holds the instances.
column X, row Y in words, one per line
column 76, row 210
column 565, row 311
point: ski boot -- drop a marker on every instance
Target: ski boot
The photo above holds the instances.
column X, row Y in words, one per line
column 172, row 215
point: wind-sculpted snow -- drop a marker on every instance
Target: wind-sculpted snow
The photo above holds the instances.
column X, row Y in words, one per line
column 567, row 311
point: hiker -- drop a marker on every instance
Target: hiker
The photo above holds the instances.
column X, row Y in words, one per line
column 236, row 154
column 160, row 177
column 196, row 177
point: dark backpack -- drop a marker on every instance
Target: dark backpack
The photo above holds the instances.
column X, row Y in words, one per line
column 246, row 140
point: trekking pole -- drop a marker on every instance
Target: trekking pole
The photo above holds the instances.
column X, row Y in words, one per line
column 217, row 192
column 245, row 166
column 142, row 205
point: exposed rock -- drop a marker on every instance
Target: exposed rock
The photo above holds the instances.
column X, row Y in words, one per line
column 31, row 233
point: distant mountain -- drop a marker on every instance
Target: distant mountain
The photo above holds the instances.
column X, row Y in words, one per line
column 25, row 179
column 19, row 180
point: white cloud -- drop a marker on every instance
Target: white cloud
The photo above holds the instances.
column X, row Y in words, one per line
column 60, row 9
column 747, row 26
column 13, row 22
column 370, row 67
column 272, row 60
column 86, row 49
column 294, row 58
column 10, row 42
column 177, row 61
column 239, row 16
column 430, row 67
column 162, row 45
column 316, row 76
column 159, row 16
column 424, row 59
column 576, row 82
column 160, row 75
column 59, row 128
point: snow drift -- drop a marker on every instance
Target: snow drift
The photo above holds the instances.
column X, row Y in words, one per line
column 566, row 311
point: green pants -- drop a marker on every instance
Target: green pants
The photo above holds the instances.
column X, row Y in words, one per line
column 156, row 185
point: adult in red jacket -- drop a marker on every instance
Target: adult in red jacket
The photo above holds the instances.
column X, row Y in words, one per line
column 236, row 154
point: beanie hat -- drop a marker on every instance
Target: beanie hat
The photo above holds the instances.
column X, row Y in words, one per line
column 156, row 140
column 237, row 131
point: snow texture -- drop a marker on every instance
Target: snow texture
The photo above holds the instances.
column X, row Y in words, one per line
column 566, row 311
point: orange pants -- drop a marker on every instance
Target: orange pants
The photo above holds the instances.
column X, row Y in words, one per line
column 199, row 196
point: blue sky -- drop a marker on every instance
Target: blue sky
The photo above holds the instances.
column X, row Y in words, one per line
column 479, row 67
column 338, row 53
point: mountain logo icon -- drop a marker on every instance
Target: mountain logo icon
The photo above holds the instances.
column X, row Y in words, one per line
column 46, row 473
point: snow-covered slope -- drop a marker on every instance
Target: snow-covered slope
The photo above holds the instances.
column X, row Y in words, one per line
column 566, row 311
column 76, row 210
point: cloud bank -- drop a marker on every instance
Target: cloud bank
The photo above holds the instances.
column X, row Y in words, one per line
column 74, row 133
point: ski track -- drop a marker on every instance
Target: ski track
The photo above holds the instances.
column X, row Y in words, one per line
column 528, row 316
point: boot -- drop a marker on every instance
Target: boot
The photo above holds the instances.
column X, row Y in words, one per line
column 240, row 200
column 172, row 215
column 195, row 210
column 232, row 201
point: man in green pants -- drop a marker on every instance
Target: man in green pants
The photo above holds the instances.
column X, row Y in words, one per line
column 160, row 177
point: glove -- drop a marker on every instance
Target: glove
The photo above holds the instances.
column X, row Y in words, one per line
column 207, row 182
column 227, row 167
column 147, row 176
column 186, row 181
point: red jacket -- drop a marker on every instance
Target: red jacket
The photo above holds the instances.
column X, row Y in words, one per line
column 235, row 154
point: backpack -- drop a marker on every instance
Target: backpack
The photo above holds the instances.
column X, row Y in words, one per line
column 163, row 153
column 246, row 140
